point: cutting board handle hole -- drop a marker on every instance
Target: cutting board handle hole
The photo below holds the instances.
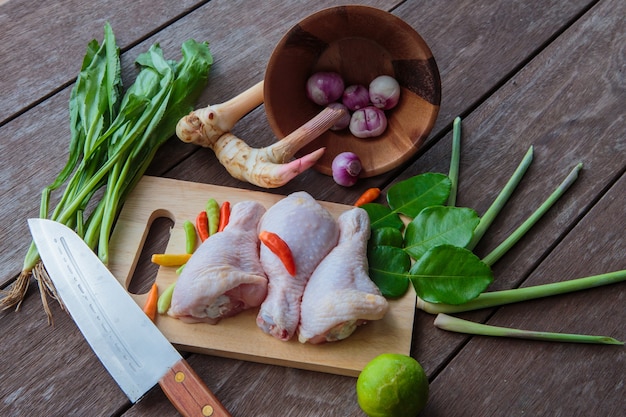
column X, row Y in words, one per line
column 156, row 242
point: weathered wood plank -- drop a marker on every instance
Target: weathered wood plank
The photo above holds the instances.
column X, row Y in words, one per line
column 247, row 388
column 463, row 38
column 46, row 41
column 429, row 343
column 51, row 370
column 554, row 104
column 543, row 378
column 238, row 64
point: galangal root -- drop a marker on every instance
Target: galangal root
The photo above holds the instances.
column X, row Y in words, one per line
column 267, row 167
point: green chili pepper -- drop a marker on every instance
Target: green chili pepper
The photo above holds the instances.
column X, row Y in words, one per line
column 165, row 299
column 213, row 214
column 190, row 236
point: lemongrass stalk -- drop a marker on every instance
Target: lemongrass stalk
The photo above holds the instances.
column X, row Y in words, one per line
column 487, row 219
column 455, row 160
column 455, row 324
column 514, row 237
column 498, row 298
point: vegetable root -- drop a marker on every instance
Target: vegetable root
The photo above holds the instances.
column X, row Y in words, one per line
column 252, row 165
column 204, row 126
column 267, row 167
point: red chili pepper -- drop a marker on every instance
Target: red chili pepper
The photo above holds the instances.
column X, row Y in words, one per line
column 280, row 248
column 224, row 216
column 368, row 196
column 202, row 225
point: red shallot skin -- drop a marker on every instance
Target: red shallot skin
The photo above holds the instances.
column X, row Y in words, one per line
column 368, row 122
column 384, row 92
column 346, row 167
column 355, row 97
column 324, row 87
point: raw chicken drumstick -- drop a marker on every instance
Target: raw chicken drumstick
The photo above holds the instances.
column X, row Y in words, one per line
column 311, row 232
column 224, row 276
column 340, row 294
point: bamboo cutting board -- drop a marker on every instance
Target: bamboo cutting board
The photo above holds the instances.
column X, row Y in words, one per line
column 239, row 337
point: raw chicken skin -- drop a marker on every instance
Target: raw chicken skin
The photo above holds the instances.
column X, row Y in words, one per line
column 311, row 232
column 340, row 294
column 224, row 276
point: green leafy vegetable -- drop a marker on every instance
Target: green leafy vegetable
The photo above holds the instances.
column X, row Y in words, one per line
column 434, row 232
column 387, row 236
column 412, row 195
column 449, row 274
column 382, row 216
column 388, row 267
column 438, row 225
column 113, row 140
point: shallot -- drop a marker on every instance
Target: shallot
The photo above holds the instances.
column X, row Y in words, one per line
column 346, row 168
column 368, row 122
column 384, row 92
column 324, row 87
column 355, row 97
column 344, row 121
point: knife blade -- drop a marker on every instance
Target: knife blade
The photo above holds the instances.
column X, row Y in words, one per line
column 125, row 340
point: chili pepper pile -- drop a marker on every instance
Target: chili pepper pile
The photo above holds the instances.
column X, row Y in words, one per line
column 213, row 219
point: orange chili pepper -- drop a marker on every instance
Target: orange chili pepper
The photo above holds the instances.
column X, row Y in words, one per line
column 150, row 307
column 202, row 225
column 224, row 216
column 280, row 248
column 368, row 196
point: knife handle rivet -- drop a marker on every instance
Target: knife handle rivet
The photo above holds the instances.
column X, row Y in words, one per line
column 179, row 377
column 207, row 411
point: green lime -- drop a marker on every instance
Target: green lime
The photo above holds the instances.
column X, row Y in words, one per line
column 392, row 385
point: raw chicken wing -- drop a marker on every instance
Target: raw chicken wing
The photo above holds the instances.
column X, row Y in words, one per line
column 340, row 294
column 224, row 276
column 311, row 232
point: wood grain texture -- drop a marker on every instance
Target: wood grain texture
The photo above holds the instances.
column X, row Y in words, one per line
column 43, row 367
column 238, row 64
column 516, row 71
column 543, row 378
column 558, row 118
column 341, row 40
column 188, row 393
column 47, row 41
column 239, row 337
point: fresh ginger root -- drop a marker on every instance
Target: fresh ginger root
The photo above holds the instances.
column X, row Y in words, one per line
column 204, row 126
column 267, row 167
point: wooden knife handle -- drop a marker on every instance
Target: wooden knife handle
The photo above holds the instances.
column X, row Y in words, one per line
column 188, row 393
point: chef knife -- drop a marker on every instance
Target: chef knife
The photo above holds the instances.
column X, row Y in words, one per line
column 129, row 345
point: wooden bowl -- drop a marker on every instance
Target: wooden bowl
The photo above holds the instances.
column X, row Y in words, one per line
column 360, row 43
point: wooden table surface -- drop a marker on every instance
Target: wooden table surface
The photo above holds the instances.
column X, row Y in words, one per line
column 546, row 73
